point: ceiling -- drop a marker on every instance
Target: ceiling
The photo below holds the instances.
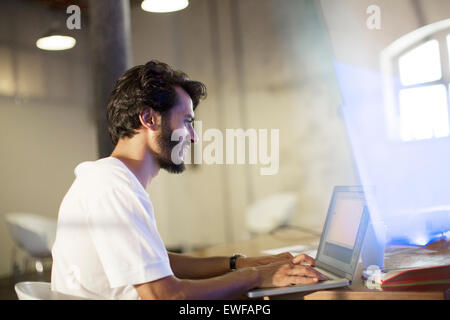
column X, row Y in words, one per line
column 59, row 4
column 83, row 4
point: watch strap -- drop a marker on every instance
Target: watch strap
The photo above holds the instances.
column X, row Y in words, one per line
column 233, row 260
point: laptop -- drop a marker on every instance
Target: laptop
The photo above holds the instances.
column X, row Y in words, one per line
column 340, row 244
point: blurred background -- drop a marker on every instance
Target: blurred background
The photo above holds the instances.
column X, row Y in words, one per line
column 341, row 80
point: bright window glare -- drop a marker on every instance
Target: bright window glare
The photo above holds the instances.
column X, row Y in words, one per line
column 421, row 240
column 421, row 64
column 164, row 5
column 448, row 47
column 423, row 113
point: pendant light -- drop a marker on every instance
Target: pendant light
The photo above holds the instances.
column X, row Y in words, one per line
column 164, row 5
column 56, row 39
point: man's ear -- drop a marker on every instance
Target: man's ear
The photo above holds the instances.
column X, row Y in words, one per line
column 149, row 118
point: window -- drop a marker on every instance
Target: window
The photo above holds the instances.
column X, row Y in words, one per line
column 423, row 112
column 421, row 64
column 417, row 89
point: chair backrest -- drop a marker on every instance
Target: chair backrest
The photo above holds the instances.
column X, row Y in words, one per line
column 40, row 291
column 31, row 232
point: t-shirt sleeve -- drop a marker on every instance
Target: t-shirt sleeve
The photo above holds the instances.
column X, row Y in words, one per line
column 125, row 236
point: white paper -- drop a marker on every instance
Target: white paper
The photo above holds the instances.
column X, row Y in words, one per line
column 296, row 248
column 311, row 253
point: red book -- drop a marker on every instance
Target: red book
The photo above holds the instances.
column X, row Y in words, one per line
column 420, row 279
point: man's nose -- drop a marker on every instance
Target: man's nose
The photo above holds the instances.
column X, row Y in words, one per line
column 194, row 137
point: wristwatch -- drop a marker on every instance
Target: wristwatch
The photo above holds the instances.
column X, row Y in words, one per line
column 233, row 260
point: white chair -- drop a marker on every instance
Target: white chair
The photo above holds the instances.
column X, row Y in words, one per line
column 270, row 213
column 33, row 233
column 40, row 291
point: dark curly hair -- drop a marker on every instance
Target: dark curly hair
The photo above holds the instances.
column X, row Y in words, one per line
column 146, row 86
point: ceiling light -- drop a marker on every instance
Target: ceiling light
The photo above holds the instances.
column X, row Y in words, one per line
column 56, row 42
column 56, row 38
column 164, row 5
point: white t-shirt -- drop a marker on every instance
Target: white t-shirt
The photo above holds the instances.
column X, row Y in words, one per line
column 106, row 239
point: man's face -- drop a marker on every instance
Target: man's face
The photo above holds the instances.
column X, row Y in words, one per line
column 171, row 154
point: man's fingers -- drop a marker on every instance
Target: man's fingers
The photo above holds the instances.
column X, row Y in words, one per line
column 297, row 270
column 288, row 273
column 303, row 258
column 303, row 280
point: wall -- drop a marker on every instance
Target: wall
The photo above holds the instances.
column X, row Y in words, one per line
column 353, row 42
column 46, row 127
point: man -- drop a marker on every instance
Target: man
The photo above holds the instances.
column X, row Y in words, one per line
column 107, row 244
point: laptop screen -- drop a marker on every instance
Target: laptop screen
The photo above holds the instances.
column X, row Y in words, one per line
column 344, row 230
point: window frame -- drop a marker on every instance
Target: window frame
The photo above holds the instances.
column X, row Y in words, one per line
column 389, row 61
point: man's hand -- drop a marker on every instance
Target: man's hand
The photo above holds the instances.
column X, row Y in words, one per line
column 263, row 260
column 282, row 257
column 303, row 259
column 283, row 269
column 283, row 274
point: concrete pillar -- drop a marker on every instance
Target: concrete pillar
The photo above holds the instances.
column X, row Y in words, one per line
column 111, row 56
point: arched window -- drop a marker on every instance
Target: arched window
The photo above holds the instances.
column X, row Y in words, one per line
column 416, row 70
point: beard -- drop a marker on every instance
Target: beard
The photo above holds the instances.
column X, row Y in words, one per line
column 166, row 146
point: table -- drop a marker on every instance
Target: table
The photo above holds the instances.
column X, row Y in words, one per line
column 395, row 257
